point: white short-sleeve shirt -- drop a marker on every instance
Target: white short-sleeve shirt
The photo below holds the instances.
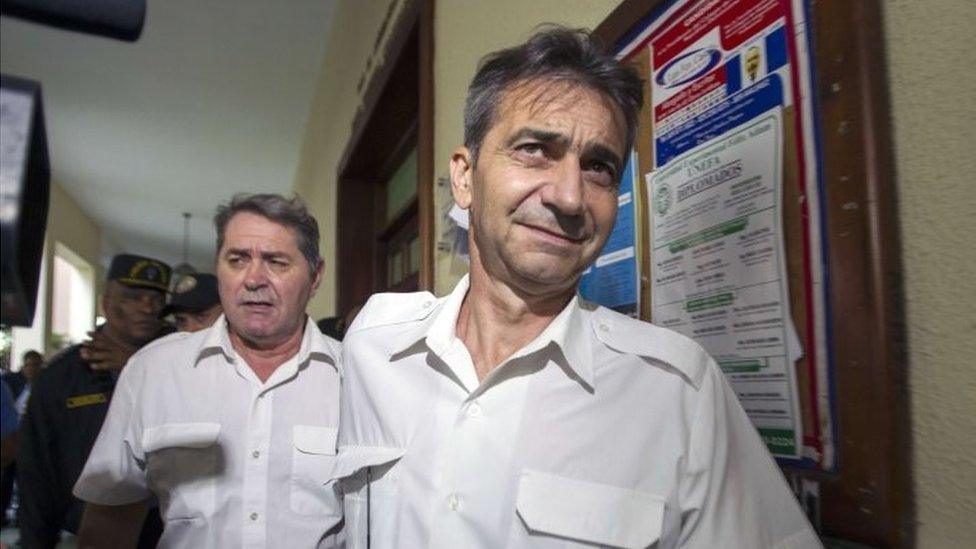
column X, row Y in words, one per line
column 233, row 461
column 603, row 431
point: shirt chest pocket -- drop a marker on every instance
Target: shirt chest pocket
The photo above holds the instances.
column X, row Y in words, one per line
column 183, row 464
column 313, row 456
column 561, row 511
column 368, row 480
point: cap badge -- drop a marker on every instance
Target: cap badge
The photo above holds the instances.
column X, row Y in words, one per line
column 185, row 284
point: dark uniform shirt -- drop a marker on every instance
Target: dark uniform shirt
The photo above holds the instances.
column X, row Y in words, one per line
column 65, row 412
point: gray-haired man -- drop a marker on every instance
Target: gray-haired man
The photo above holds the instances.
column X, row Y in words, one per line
column 233, row 427
column 511, row 413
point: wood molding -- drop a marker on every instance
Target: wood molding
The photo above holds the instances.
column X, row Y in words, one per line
column 425, row 146
column 397, row 115
column 871, row 499
column 400, row 31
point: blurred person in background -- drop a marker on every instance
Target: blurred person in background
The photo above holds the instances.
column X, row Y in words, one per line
column 71, row 396
column 195, row 303
column 8, row 425
column 30, row 366
column 32, row 363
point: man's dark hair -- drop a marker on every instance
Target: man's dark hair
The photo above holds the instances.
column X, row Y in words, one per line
column 553, row 53
column 31, row 353
column 290, row 212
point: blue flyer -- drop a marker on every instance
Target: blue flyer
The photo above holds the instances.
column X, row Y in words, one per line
column 612, row 279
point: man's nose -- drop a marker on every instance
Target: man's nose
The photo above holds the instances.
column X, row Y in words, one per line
column 149, row 305
column 564, row 191
column 256, row 275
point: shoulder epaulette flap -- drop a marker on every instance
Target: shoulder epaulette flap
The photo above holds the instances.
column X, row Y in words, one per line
column 636, row 337
column 393, row 308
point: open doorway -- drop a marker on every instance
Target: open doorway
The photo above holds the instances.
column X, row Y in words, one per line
column 385, row 214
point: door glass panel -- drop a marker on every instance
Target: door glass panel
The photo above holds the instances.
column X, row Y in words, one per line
column 414, row 252
column 402, row 186
column 397, row 271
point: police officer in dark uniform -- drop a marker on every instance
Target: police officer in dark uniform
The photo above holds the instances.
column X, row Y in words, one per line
column 195, row 303
column 71, row 396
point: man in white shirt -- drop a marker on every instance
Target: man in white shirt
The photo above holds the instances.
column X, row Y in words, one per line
column 512, row 413
column 233, row 427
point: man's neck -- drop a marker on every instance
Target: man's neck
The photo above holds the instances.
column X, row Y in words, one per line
column 497, row 320
column 265, row 357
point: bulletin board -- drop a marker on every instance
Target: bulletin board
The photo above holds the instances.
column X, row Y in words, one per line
column 731, row 217
column 764, row 229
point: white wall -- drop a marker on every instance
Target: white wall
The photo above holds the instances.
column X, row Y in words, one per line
column 930, row 47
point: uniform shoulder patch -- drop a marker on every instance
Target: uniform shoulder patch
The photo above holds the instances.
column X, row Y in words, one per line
column 393, row 308
column 636, row 337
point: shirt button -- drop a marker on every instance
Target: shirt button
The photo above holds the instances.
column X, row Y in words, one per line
column 604, row 327
column 256, row 454
column 254, row 516
column 454, row 502
column 474, row 410
column 427, row 304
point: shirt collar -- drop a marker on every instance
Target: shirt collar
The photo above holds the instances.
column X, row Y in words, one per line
column 441, row 333
column 569, row 331
column 217, row 341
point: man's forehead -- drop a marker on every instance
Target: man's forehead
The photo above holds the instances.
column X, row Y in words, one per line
column 550, row 102
column 251, row 229
column 544, row 95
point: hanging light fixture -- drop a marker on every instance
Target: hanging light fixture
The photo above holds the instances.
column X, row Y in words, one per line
column 184, row 268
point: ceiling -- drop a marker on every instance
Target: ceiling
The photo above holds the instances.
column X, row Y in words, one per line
column 212, row 100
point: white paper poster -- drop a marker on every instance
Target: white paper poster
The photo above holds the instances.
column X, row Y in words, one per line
column 720, row 272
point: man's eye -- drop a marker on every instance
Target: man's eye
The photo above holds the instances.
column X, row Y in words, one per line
column 600, row 167
column 532, row 151
column 601, row 173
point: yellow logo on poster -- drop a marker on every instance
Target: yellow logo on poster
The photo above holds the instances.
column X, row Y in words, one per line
column 753, row 57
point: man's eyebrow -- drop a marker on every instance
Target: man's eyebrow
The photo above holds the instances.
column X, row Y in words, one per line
column 238, row 251
column 543, row 136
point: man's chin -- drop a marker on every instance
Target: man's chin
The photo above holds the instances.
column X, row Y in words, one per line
column 257, row 332
column 548, row 277
column 144, row 332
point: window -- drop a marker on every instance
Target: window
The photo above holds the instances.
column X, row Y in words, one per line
column 72, row 298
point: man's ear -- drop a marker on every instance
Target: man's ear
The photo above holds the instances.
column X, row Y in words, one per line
column 317, row 278
column 462, row 168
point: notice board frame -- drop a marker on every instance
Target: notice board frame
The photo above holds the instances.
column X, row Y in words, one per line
column 868, row 498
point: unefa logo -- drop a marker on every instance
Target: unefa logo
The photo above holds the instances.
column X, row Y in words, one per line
column 688, row 67
column 663, row 199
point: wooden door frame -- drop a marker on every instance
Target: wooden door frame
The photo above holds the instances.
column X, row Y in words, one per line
column 357, row 269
